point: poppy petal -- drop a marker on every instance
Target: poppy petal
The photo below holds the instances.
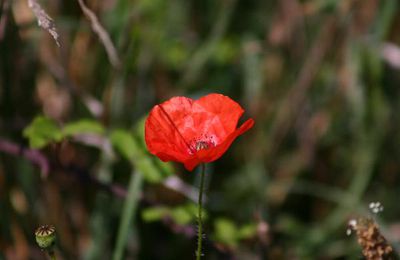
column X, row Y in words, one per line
column 161, row 131
column 222, row 115
column 190, row 164
column 177, row 129
column 212, row 154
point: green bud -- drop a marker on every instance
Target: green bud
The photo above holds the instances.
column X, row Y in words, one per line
column 45, row 236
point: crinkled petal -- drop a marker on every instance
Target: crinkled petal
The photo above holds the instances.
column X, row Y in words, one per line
column 174, row 127
column 217, row 115
column 212, row 154
column 162, row 134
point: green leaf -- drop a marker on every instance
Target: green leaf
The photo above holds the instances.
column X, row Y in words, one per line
column 247, row 231
column 181, row 216
column 41, row 132
column 139, row 132
column 146, row 165
column 226, row 232
column 155, row 213
column 125, row 144
column 83, row 126
column 193, row 210
column 186, row 213
column 166, row 168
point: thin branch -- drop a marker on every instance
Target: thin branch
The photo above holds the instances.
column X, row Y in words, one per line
column 103, row 35
column 176, row 184
column 32, row 155
column 44, row 20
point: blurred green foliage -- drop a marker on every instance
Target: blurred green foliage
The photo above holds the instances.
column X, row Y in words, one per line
column 42, row 131
column 183, row 214
column 228, row 233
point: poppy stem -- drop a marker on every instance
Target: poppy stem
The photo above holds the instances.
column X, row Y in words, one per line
column 200, row 208
column 52, row 255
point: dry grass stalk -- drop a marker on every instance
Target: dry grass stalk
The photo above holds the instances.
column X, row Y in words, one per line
column 103, row 35
column 44, row 20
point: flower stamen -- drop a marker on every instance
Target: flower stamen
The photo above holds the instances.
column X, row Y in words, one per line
column 205, row 142
column 202, row 145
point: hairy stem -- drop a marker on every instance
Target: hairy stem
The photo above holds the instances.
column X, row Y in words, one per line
column 199, row 219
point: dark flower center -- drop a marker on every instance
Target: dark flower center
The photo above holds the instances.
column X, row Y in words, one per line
column 203, row 143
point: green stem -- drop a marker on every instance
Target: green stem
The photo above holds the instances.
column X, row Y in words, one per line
column 128, row 213
column 199, row 219
column 52, row 255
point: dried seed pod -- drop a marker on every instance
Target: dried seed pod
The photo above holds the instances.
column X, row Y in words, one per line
column 373, row 243
column 45, row 236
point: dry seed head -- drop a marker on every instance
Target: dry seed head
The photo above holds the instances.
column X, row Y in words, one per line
column 373, row 243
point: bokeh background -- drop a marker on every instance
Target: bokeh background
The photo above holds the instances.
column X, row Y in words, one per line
column 321, row 78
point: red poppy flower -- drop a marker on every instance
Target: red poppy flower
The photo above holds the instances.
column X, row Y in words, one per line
column 194, row 131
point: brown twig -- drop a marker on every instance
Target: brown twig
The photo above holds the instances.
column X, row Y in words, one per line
column 103, row 35
column 44, row 20
column 32, row 155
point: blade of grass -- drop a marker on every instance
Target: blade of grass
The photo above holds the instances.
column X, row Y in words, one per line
column 128, row 213
column 99, row 220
